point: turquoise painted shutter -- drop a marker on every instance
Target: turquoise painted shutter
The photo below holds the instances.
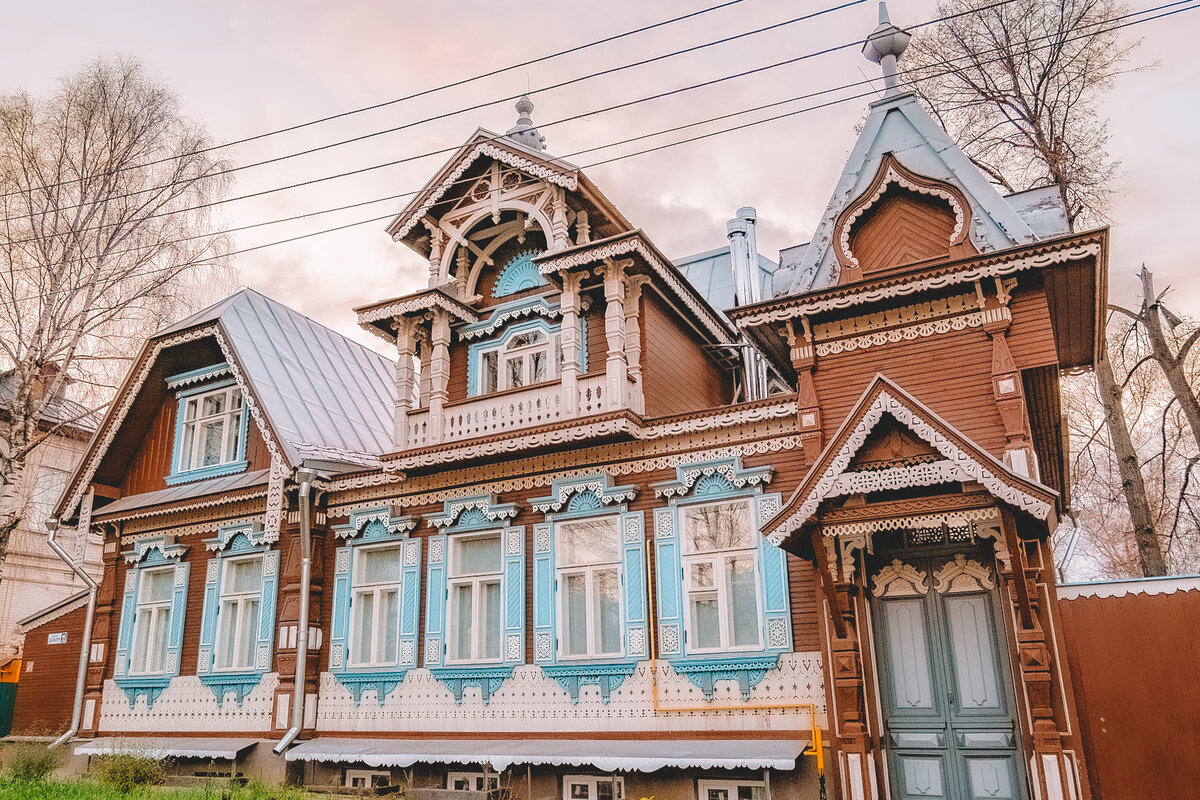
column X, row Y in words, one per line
column 208, row 616
column 633, row 552
column 545, row 648
column 668, row 572
column 178, row 612
column 435, row 602
column 777, row 617
column 125, row 631
column 514, row 596
column 266, row 622
column 410, row 586
column 340, row 624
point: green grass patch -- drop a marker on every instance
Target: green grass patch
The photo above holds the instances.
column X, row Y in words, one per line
column 86, row 789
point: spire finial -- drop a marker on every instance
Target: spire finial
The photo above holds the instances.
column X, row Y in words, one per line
column 524, row 131
column 884, row 46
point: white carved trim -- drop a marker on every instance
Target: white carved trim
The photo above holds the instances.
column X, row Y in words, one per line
column 894, row 177
column 423, row 301
column 601, row 487
column 950, row 518
column 910, row 287
column 538, row 306
column 976, row 319
column 669, row 276
column 900, row 580
column 562, row 178
column 835, row 481
column 962, row 575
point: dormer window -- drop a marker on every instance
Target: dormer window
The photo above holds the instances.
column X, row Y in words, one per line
column 210, row 433
column 524, row 359
column 525, row 354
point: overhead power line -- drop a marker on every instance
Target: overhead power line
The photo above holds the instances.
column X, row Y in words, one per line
column 1190, row 6
column 496, row 101
column 594, row 112
column 422, row 93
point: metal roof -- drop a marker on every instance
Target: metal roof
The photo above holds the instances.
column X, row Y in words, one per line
column 185, row 491
column 711, row 273
column 321, row 392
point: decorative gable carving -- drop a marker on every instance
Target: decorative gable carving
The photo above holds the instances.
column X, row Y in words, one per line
column 713, row 477
column 385, row 518
column 583, row 494
column 901, row 218
column 473, row 512
column 960, row 460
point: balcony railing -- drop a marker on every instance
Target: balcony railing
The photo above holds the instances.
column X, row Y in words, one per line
column 485, row 416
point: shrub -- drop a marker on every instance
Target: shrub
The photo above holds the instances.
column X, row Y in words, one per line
column 30, row 761
column 125, row 771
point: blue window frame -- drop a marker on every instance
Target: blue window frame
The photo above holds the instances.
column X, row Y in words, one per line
column 376, row 596
column 153, row 606
column 527, row 353
column 475, row 595
column 723, row 605
column 237, row 630
column 211, row 424
column 589, row 593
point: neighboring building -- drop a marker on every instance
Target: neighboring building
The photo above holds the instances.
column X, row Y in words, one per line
column 33, row 577
column 583, row 538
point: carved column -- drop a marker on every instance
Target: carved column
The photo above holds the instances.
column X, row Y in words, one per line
column 1007, row 388
column 559, row 237
column 615, row 367
column 583, row 231
column 439, row 371
column 569, row 342
column 435, row 251
column 808, row 408
column 104, row 631
column 633, row 341
column 462, row 272
column 406, row 349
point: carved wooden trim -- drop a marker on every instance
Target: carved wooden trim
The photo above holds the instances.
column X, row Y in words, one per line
column 963, row 575
column 900, row 580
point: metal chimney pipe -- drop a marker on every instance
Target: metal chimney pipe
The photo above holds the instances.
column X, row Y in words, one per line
column 743, row 257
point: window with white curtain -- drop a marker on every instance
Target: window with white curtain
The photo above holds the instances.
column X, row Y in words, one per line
column 588, row 556
column 238, row 616
column 375, row 607
column 152, row 621
column 474, row 627
column 211, row 429
column 720, row 566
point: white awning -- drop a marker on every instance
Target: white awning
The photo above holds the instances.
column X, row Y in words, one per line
column 607, row 755
column 157, row 747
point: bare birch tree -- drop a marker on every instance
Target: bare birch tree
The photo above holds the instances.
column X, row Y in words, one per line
column 1018, row 85
column 101, row 241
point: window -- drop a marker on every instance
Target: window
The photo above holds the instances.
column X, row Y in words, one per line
column 472, row 781
column 152, row 622
column 588, row 565
column 211, row 429
column 593, row 787
column 238, row 617
column 720, row 576
column 525, row 358
column 731, row 790
column 366, row 779
column 375, row 607
column 475, row 622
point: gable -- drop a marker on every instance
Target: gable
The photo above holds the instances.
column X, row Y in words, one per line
column 866, row 431
column 903, row 228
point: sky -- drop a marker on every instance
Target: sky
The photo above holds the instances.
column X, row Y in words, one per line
column 244, row 68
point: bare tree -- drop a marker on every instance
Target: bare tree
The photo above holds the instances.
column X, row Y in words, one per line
column 101, row 241
column 1018, row 84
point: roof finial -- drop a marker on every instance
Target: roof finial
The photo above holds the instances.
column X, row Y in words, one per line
column 884, row 46
column 523, row 131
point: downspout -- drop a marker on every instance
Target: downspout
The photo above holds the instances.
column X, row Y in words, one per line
column 305, row 477
column 85, row 645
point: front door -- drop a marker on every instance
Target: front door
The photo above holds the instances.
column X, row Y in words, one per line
column 944, row 678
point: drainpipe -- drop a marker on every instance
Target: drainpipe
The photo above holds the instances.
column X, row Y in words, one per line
column 85, row 646
column 305, row 477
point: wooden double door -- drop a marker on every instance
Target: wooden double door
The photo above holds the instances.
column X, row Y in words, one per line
column 945, row 678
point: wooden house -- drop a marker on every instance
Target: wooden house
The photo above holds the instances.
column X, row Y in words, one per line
column 590, row 536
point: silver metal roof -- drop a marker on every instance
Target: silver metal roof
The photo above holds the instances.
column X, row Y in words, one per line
column 321, row 392
column 185, row 491
column 711, row 272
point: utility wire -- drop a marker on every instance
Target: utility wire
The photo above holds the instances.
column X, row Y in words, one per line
column 1194, row 5
column 413, row 96
column 487, row 103
column 582, row 115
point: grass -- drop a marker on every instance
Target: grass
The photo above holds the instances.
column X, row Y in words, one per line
column 82, row 789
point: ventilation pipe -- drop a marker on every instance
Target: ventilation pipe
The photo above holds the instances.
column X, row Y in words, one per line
column 743, row 256
column 85, row 646
column 305, row 478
